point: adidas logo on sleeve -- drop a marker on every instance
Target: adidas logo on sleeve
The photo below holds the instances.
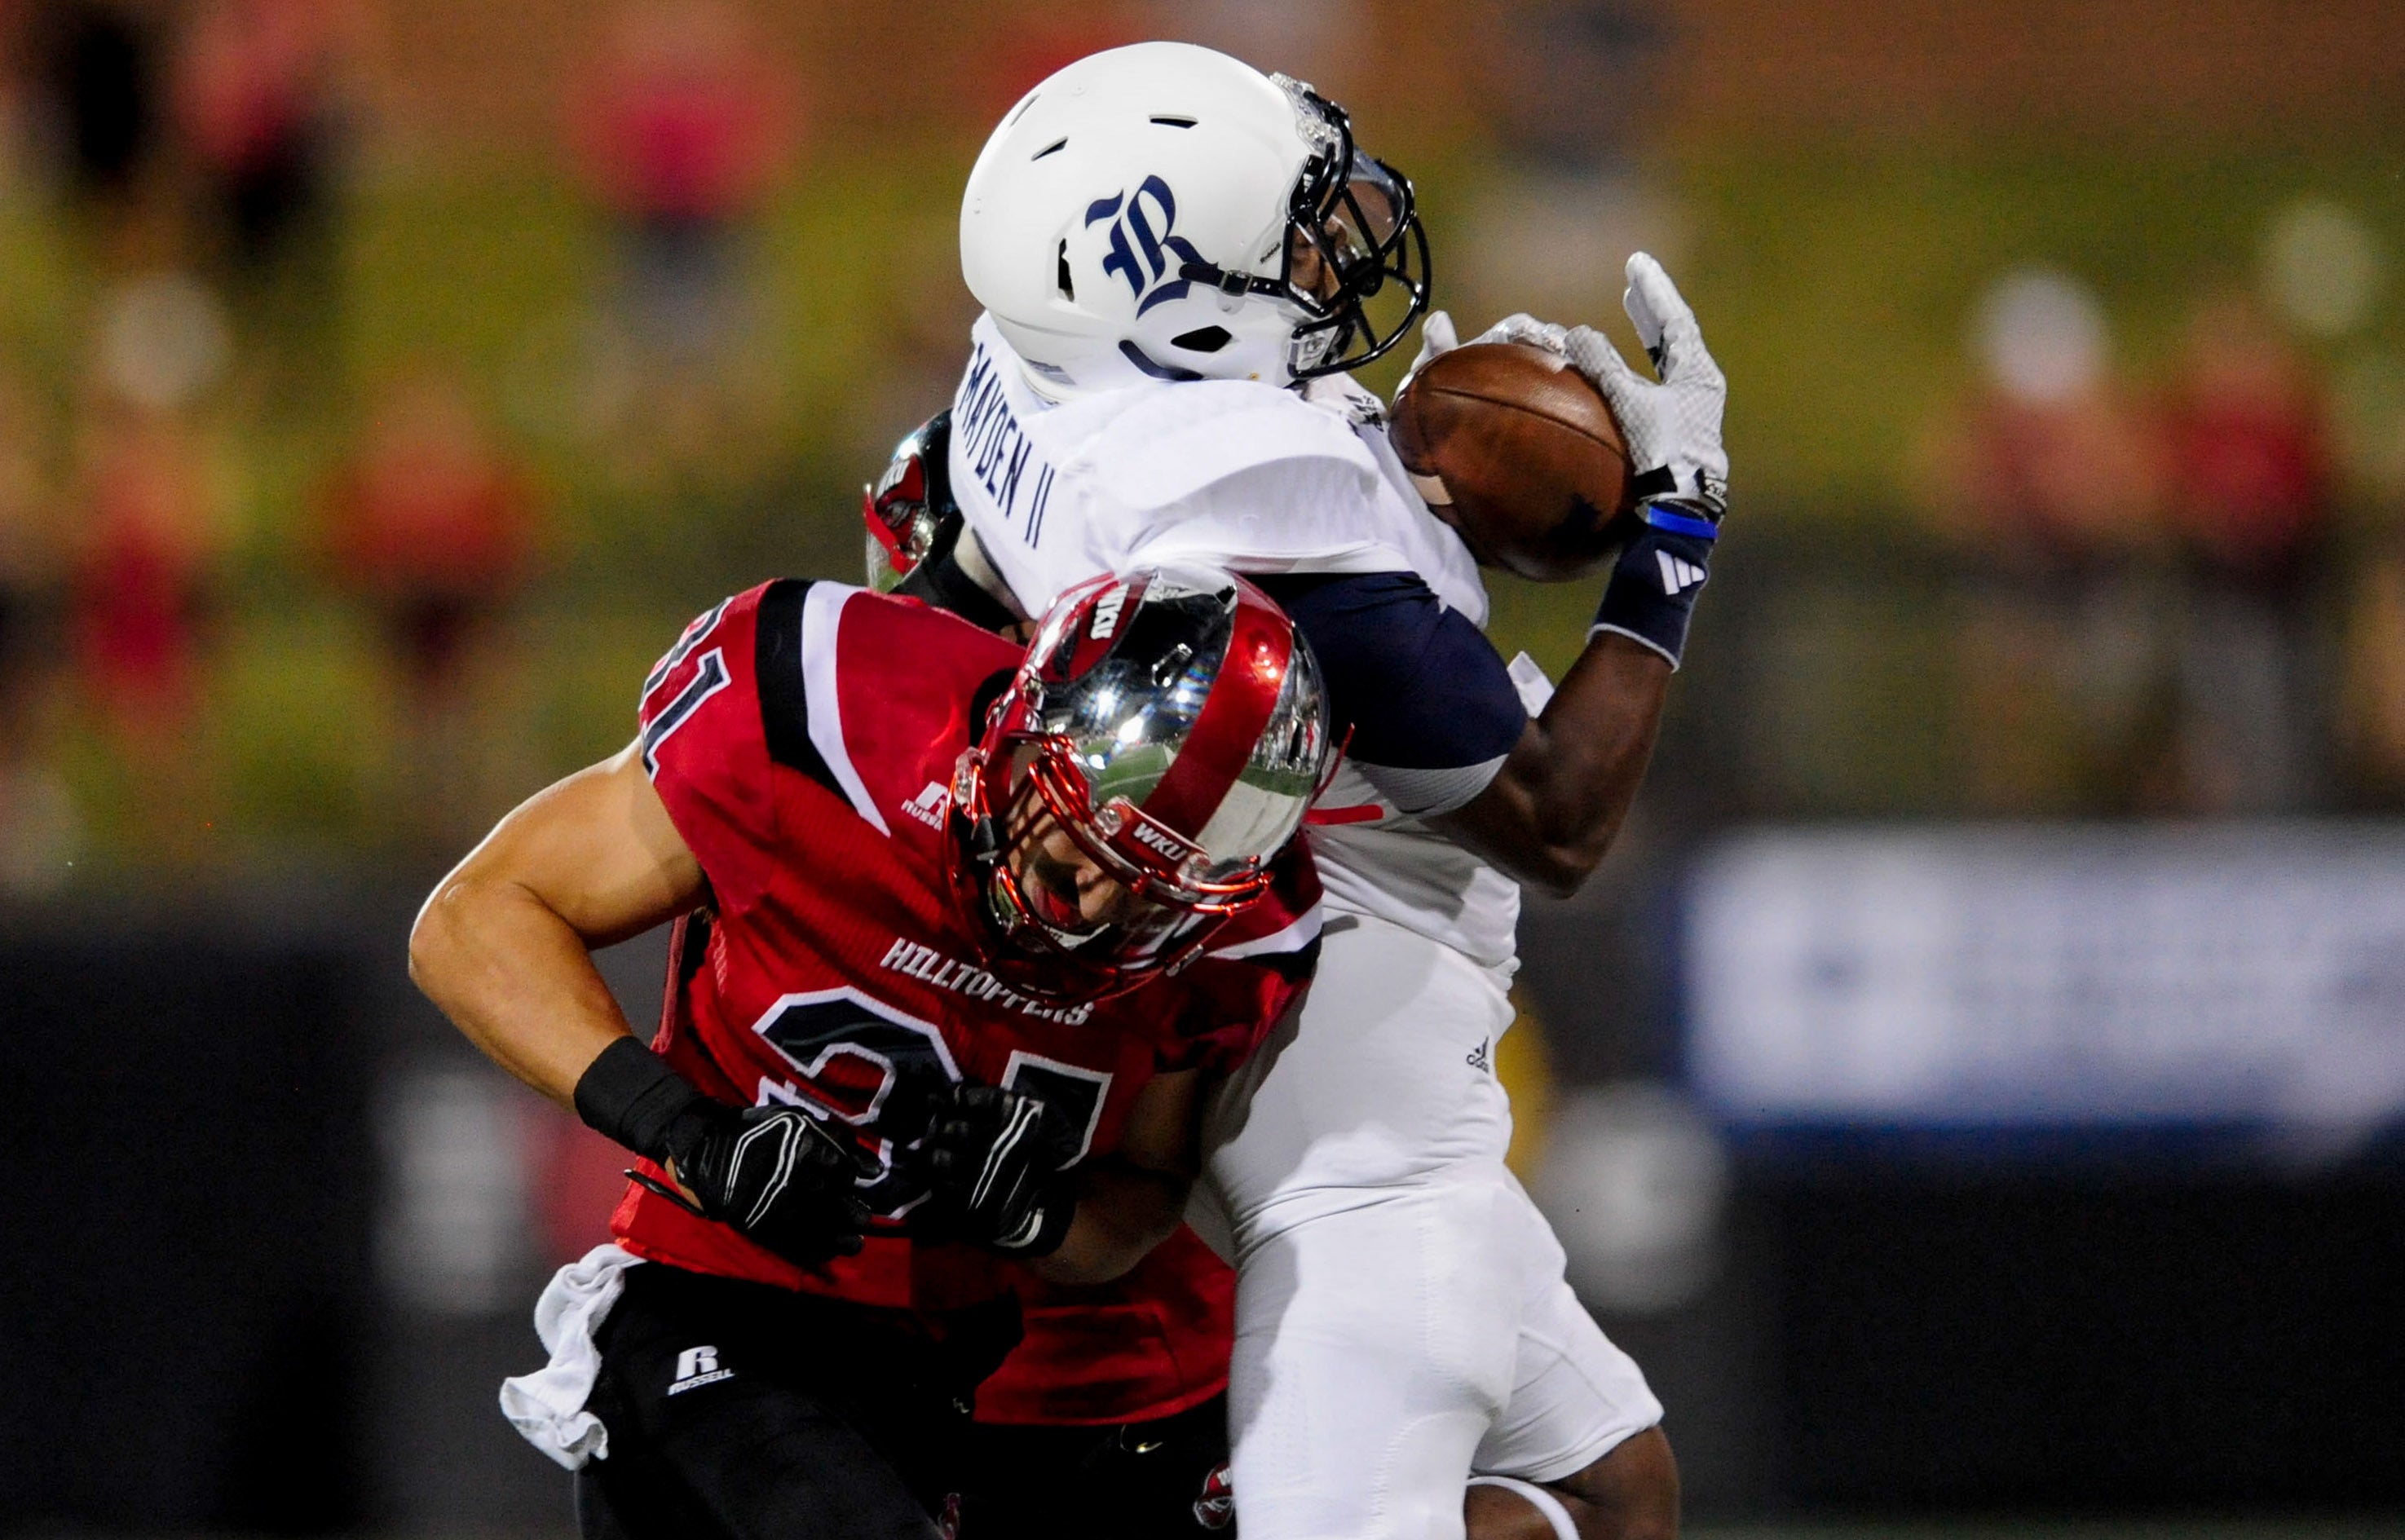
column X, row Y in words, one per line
column 1678, row 575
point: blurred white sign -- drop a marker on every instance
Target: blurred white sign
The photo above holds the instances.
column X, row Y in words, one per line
column 2061, row 975
column 1635, row 1182
column 453, row 1236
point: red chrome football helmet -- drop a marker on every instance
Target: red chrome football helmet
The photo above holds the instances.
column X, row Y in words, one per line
column 907, row 508
column 1144, row 767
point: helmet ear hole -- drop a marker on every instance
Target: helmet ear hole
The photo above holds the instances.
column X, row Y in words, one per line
column 1209, row 339
column 1068, row 288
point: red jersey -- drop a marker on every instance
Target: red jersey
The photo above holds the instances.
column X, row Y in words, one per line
column 1141, row 1347
column 801, row 737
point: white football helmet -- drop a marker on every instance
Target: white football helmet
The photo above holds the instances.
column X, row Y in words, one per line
column 1165, row 212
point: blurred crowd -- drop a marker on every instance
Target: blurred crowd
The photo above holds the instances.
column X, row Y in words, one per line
column 189, row 448
column 322, row 535
column 2180, row 594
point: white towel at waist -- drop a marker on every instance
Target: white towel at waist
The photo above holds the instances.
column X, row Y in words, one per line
column 547, row 1406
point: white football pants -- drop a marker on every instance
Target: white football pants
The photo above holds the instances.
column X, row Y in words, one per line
column 1401, row 1318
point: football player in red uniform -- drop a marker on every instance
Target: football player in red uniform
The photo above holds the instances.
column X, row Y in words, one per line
column 966, row 928
column 1109, row 1417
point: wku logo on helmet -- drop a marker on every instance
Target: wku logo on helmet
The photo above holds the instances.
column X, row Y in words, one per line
column 1142, row 244
column 1146, row 834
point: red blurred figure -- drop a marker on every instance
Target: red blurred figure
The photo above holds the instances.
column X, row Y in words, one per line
column 2052, row 481
column 2247, row 450
column 142, row 595
column 1031, row 54
column 2052, row 466
column 2061, row 483
column 248, row 101
column 141, row 588
column 434, row 523
column 435, row 526
column 39, row 825
column 683, row 120
column 2252, row 486
column 682, row 128
column 2373, row 682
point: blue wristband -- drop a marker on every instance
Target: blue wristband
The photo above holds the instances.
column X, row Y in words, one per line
column 1665, row 516
column 1651, row 595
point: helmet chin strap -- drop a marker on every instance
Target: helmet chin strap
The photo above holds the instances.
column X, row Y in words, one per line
column 1147, row 364
column 985, row 844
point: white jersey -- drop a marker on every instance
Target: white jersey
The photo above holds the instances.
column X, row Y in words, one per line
column 1260, row 480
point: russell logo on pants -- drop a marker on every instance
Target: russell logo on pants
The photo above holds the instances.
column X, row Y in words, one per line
column 695, row 1367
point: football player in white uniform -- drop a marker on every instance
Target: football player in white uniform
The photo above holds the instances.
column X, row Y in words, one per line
column 1179, row 257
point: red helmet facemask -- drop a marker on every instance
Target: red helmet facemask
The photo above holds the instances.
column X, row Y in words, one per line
column 1146, row 705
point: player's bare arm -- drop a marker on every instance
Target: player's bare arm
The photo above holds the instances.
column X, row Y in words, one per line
column 503, row 944
column 1131, row 1201
column 1551, row 811
column 1554, row 810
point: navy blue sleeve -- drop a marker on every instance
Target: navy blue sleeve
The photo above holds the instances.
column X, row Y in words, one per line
column 1429, row 703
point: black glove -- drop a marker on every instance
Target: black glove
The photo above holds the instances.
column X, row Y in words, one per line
column 777, row 1174
column 993, row 1161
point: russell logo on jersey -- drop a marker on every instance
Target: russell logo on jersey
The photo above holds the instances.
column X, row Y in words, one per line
column 928, row 806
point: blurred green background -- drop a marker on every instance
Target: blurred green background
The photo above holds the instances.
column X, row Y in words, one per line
column 384, row 385
column 459, row 231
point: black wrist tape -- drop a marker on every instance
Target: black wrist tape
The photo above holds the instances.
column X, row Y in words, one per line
column 631, row 1095
column 1652, row 593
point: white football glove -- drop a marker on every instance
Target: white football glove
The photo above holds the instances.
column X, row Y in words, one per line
column 1673, row 428
column 1438, row 337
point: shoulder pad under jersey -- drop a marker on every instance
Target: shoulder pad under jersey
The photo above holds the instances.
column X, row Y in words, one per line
column 1170, row 446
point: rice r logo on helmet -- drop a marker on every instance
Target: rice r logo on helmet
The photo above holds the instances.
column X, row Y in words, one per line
column 1140, row 253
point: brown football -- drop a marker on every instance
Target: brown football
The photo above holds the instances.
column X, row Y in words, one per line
column 1514, row 449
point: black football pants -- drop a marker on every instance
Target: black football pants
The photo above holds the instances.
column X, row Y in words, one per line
column 737, row 1412
column 1133, row 1481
